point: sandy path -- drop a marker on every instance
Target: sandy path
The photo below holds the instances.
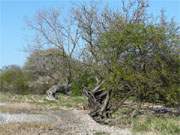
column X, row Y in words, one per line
column 62, row 122
column 78, row 122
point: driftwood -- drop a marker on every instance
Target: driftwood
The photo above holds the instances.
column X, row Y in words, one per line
column 98, row 103
column 55, row 89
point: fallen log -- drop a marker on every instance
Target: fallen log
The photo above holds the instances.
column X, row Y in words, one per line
column 58, row 88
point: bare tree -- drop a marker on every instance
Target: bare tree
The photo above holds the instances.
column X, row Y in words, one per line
column 51, row 32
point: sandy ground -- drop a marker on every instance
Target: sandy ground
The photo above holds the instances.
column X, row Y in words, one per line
column 27, row 119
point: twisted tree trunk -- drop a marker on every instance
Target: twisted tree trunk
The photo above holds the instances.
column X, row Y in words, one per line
column 98, row 103
column 55, row 89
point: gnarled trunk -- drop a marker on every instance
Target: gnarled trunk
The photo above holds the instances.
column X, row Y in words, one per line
column 98, row 103
column 55, row 89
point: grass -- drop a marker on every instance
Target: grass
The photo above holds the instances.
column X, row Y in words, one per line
column 101, row 133
column 157, row 125
column 63, row 100
column 28, row 129
column 147, row 123
column 34, row 104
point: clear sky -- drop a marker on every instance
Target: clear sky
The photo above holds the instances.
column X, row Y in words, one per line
column 13, row 32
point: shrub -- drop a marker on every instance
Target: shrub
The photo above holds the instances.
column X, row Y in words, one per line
column 142, row 60
column 85, row 79
column 14, row 80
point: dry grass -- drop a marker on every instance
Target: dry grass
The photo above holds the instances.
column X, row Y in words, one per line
column 101, row 133
column 147, row 122
column 20, row 108
column 34, row 104
column 28, row 129
column 41, row 102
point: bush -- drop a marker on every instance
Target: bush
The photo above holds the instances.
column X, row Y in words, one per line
column 40, row 85
column 85, row 79
column 14, row 80
column 141, row 60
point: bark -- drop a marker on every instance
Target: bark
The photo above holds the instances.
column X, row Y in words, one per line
column 55, row 89
column 98, row 103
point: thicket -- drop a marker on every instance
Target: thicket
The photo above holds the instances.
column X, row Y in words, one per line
column 134, row 55
column 143, row 64
column 14, row 80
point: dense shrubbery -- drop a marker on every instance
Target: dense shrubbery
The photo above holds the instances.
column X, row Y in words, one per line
column 14, row 80
column 141, row 58
column 85, row 79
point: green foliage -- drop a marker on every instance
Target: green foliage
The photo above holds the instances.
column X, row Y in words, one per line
column 85, row 79
column 14, row 80
column 141, row 56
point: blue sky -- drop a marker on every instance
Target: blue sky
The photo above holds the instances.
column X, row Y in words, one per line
column 13, row 32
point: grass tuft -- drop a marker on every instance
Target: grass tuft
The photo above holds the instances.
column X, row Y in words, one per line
column 159, row 125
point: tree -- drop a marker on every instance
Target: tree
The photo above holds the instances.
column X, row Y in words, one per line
column 126, row 51
column 51, row 32
column 14, row 80
column 135, row 56
column 47, row 68
column 141, row 60
column 47, row 62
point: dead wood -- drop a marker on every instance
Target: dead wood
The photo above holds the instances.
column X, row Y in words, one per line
column 98, row 103
column 58, row 88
